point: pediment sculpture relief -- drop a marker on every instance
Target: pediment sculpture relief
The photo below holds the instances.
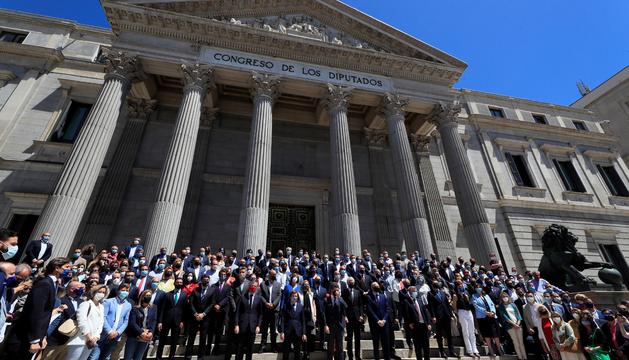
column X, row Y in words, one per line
column 301, row 26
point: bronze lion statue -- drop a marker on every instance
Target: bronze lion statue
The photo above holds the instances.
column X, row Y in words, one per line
column 562, row 264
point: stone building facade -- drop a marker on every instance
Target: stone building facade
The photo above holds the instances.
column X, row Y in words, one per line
column 300, row 123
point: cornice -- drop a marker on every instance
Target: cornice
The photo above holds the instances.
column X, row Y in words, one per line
column 562, row 208
column 203, row 31
column 51, row 57
column 39, row 19
column 524, row 101
column 543, row 131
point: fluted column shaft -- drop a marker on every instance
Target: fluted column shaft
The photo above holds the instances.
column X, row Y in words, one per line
column 345, row 225
column 66, row 206
column 254, row 214
column 105, row 211
column 475, row 223
column 163, row 225
column 414, row 223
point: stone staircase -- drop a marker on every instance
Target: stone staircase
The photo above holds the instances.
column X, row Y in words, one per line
column 366, row 349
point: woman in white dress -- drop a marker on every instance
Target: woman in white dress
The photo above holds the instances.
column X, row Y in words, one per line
column 90, row 319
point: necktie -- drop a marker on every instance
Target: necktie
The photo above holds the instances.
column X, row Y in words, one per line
column 352, row 294
column 220, row 288
column 176, row 297
column 141, row 286
column 419, row 312
column 271, row 294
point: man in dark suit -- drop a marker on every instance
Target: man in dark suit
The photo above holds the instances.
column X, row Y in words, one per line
column 442, row 313
column 293, row 327
column 221, row 297
column 163, row 255
column 170, row 318
column 201, row 307
column 29, row 333
column 271, row 294
column 132, row 248
column 319, row 296
column 355, row 317
column 38, row 252
column 238, row 288
column 379, row 309
column 418, row 319
column 334, row 319
column 363, row 280
column 248, row 320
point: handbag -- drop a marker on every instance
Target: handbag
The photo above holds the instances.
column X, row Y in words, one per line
column 69, row 328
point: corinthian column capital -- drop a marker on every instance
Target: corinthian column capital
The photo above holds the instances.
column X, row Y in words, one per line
column 197, row 77
column 138, row 108
column 419, row 143
column 264, row 86
column 393, row 105
column 445, row 113
column 121, row 65
column 338, row 98
column 375, row 137
column 208, row 116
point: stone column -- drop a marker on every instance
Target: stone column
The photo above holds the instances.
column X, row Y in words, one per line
column 345, row 226
column 105, row 211
column 189, row 217
column 254, row 215
column 477, row 230
column 441, row 238
column 67, row 203
column 414, row 223
column 163, row 225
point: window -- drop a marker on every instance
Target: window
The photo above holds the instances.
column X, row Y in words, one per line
column 569, row 176
column 580, row 125
column 520, row 171
column 612, row 180
column 69, row 128
column 540, row 119
column 13, row 37
column 495, row 112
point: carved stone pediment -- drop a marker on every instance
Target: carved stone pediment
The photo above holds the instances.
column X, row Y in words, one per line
column 304, row 26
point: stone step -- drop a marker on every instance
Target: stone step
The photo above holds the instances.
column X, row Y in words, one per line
column 321, row 355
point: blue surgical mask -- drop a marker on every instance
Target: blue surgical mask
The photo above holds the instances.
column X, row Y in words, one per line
column 79, row 292
column 144, row 273
column 66, row 274
column 154, row 286
column 479, row 291
column 161, row 266
column 123, row 294
column 45, row 239
column 11, row 251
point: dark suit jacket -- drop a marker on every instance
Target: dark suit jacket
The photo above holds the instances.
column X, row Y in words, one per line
column 363, row 281
column 136, row 320
column 334, row 315
column 248, row 317
column 32, row 251
column 356, row 307
column 310, row 323
column 275, row 291
column 171, row 313
column 378, row 310
column 410, row 314
column 440, row 305
column 33, row 324
column 293, row 321
column 201, row 300
column 221, row 298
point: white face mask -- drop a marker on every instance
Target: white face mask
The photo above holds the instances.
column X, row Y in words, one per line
column 576, row 316
column 99, row 297
column 530, row 299
column 557, row 320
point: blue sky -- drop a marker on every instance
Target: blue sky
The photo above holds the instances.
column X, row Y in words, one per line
column 534, row 49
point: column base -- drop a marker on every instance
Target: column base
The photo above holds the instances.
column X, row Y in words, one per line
column 417, row 236
column 480, row 240
column 253, row 228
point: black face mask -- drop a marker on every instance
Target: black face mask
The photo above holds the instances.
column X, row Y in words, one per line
column 178, row 286
column 205, row 283
column 146, row 299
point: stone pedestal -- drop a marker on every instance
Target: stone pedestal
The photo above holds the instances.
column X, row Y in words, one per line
column 254, row 216
column 163, row 225
column 477, row 229
column 344, row 220
column 64, row 210
column 105, row 211
column 413, row 216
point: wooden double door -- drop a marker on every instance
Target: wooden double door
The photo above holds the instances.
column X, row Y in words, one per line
column 291, row 226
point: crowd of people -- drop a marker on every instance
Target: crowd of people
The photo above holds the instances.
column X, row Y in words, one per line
column 115, row 303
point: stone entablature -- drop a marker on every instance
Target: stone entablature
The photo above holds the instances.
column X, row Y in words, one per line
column 203, row 31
